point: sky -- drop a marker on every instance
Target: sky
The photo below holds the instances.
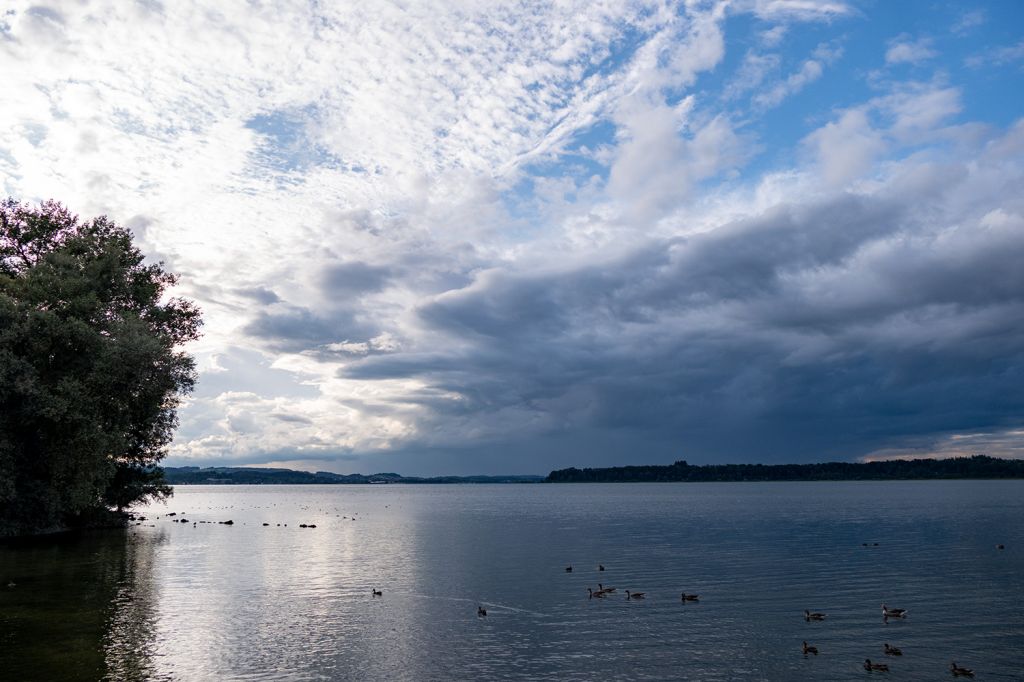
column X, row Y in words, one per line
column 468, row 237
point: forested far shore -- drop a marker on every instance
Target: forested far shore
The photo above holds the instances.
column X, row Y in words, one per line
column 267, row 476
column 978, row 466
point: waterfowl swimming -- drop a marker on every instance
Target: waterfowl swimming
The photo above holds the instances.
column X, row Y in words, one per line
column 893, row 613
column 568, row 569
column 377, row 593
column 689, row 597
column 599, row 593
column 600, row 567
column 880, row 667
column 481, row 611
column 606, row 590
column 808, row 615
column 958, row 671
column 810, row 649
column 634, row 595
column 891, row 650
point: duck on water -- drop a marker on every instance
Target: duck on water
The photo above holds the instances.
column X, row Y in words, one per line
column 958, row 671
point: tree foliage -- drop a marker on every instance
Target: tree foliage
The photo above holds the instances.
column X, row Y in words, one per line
column 978, row 466
column 91, row 370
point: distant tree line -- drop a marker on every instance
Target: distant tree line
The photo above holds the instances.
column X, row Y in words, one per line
column 91, row 370
column 978, row 466
column 261, row 476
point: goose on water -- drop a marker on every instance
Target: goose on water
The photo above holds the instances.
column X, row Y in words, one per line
column 376, row 592
column 689, row 597
column 958, row 671
column 813, row 615
column 481, row 611
column 871, row 667
column 568, row 569
column 891, row 650
column 634, row 595
column 810, row 649
column 893, row 613
column 600, row 567
column 600, row 593
column 606, row 590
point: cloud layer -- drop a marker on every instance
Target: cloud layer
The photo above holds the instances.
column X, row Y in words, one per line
column 463, row 237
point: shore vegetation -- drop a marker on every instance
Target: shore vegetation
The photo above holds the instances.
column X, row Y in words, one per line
column 91, row 369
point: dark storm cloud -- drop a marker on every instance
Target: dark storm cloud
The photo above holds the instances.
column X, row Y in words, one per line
column 291, row 418
column 259, row 294
column 810, row 332
column 295, row 329
column 354, row 279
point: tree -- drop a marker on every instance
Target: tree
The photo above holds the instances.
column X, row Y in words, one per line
column 91, row 368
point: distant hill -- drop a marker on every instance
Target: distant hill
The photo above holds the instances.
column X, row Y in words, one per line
column 979, row 466
column 258, row 476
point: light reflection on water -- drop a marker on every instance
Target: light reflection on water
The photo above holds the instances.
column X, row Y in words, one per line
column 210, row 601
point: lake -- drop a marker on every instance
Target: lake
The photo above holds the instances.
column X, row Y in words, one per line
column 209, row 601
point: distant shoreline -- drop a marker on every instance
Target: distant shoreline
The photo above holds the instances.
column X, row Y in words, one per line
column 259, row 476
column 978, row 467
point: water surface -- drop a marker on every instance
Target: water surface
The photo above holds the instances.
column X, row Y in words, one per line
column 195, row 601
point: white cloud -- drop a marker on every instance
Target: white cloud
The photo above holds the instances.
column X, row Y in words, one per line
column 917, row 111
column 803, row 10
column 755, row 67
column 969, row 21
column 913, row 114
column 809, row 72
column 997, row 56
column 753, row 71
column 774, row 35
column 903, row 50
column 846, row 148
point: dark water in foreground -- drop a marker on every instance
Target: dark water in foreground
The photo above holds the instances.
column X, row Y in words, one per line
column 178, row 602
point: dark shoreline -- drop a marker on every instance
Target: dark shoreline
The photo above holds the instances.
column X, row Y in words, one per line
column 957, row 468
column 259, row 476
column 978, row 467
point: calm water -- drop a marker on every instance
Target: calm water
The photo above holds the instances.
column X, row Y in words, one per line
column 182, row 602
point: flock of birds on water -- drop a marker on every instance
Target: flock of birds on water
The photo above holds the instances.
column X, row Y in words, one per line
column 603, row 592
column 889, row 649
column 810, row 616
